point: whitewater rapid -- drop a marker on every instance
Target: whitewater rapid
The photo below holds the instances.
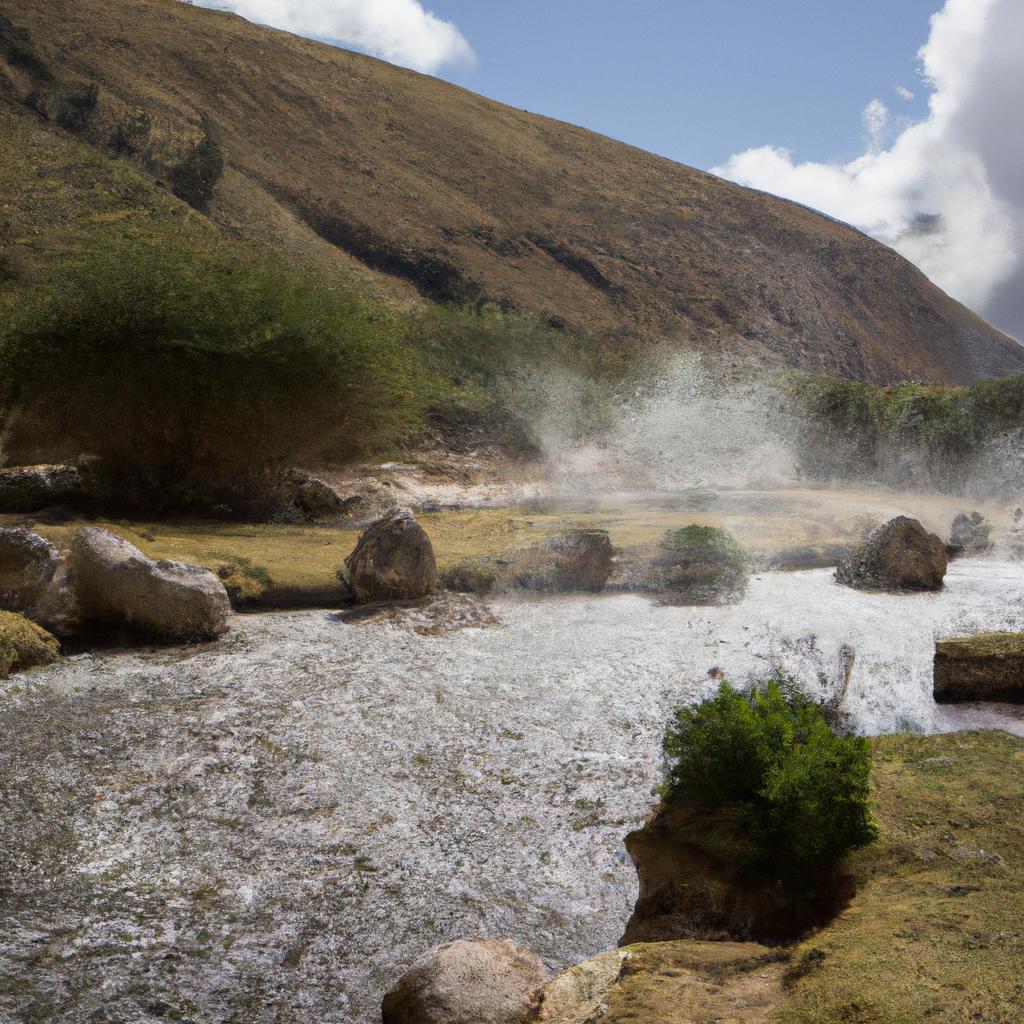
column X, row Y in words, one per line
column 287, row 817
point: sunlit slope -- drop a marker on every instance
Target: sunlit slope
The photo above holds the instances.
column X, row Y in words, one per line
column 434, row 191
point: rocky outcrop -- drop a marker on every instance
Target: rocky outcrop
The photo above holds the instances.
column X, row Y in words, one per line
column 24, row 645
column 578, row 561
column 169, row 602
column 34, row 581
column 308, row 499
column 33, row 488
column 28, row 564
column 971, row 534
column 988, row 667
column 393, row 561
column 900, row 555
column 687, row 893
column 469, row 981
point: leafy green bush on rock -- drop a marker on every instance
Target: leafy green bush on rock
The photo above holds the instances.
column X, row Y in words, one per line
column 782, row 793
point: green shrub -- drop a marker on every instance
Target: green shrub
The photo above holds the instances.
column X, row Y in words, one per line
column 784, row 795
column 198, row 381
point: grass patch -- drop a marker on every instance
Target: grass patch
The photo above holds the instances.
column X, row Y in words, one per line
column 934, row 932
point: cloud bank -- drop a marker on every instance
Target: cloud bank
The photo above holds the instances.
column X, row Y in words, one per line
column 946, row 192
column 400, row 31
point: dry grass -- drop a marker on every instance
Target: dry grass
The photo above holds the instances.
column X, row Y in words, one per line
column 935, row 932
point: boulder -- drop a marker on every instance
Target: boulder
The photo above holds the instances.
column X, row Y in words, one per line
column 971, row 534
column 32, row 488
column 28, row 564
column 24, row 645
column 900, row 555
column 987, row 667
column 393, row 561
column 698, row 565
column 307, row 498
column 578, row 561
column 469, row 981
column 169, row 602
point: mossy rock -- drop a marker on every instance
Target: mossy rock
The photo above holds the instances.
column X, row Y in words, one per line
column 988, row 667
column 24, row 645
column 700, row 565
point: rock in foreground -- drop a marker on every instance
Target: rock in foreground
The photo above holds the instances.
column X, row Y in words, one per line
column 988, row 667
column 24, row 645
column 169, row 602
column 469, row 981
column 900, row 555
column 393, row 561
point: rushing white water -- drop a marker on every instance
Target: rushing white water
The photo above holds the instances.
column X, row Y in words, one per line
column 341, row 796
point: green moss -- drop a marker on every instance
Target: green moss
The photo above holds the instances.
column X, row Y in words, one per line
column 24, row 645
column 984, row 645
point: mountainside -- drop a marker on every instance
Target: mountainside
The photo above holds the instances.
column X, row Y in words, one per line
column 349, row 163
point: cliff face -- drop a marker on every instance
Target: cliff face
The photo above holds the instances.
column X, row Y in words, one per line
column 434, row 191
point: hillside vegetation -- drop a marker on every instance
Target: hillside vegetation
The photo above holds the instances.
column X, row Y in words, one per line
column 352, row 168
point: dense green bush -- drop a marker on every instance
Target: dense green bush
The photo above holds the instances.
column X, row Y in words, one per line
column 197, row 381
column 782, row 792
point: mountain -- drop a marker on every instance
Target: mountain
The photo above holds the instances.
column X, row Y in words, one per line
column 431, row 192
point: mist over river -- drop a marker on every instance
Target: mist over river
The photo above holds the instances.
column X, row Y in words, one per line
column 285, row 818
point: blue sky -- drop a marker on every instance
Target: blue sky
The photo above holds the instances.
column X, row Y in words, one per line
column 699, row 80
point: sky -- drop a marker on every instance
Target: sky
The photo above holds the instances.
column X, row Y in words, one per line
column 899, row 116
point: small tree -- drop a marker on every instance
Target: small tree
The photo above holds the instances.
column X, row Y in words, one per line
column 781, row 792
column 198, row 379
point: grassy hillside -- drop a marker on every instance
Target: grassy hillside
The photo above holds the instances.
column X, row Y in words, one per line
column 353, row 166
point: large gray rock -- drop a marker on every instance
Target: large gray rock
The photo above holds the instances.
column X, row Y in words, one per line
column 469, row 981
column 899, row 555
column 28, row 564
column 393, row 561
column 170, row 602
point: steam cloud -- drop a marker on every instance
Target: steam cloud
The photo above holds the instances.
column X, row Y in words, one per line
column 948, row 192
column 400, row 31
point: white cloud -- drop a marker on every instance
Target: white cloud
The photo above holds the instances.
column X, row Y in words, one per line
column 400, row 31
column 903, row 92
column 948, row 191
column 876, row 120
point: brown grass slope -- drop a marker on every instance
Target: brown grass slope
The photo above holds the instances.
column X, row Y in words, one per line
column 333, row 156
